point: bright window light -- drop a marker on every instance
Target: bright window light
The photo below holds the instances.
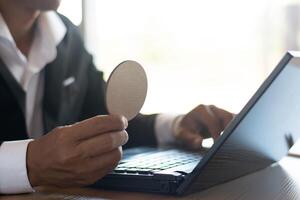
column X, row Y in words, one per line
column 72, row 9
column 211, row 52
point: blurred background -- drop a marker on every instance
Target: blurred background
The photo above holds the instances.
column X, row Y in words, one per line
column 194, row 51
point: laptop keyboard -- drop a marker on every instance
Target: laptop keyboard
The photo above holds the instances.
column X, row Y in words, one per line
column 149, row 163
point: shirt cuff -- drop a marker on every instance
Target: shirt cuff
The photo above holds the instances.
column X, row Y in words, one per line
column 164, row 128
column 13, row 169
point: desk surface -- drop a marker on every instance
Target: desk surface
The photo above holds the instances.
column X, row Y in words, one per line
column 279, row 181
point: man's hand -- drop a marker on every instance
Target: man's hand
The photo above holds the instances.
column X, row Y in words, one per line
column 78, row 154
column 202, row 122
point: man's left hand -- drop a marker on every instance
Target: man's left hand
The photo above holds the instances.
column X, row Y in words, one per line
column 204, row 121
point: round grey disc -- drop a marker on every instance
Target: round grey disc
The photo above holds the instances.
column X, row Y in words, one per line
column 126, row 89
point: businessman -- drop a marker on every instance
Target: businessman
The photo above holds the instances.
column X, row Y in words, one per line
column 54, row 126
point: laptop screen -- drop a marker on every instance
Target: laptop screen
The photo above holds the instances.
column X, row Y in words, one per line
column 261, row 133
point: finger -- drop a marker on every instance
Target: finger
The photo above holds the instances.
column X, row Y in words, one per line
column 97, row 125
column 97, row 167
column 190, row 139
column 110, row 160
column 224, row 116
column 103, row 143
column 209, row 121
column 104, row 163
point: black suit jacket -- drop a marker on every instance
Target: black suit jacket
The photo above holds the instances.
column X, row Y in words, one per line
column 63, row 105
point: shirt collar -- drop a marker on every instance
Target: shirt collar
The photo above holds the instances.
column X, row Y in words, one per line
column 49, row 33
column 50, row 25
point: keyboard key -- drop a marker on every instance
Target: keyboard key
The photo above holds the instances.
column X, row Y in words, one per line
column 157, row 161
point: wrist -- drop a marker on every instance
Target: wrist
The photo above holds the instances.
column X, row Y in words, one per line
column 32, row 163
column 176, row 124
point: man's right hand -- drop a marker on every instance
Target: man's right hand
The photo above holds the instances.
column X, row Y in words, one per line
column 78, row 154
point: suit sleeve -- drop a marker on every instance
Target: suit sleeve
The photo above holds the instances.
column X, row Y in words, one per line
column 140, row 129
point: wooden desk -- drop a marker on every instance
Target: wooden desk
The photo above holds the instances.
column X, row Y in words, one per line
column 279, row 181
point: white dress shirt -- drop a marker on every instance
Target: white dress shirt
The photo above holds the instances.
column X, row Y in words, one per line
column 27, row 71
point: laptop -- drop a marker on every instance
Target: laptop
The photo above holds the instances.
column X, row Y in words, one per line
column 261, row 134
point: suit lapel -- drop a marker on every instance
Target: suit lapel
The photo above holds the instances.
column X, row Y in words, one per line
column 13, row 85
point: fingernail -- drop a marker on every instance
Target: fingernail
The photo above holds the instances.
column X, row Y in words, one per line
column 125, row 121
column 126, row 137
